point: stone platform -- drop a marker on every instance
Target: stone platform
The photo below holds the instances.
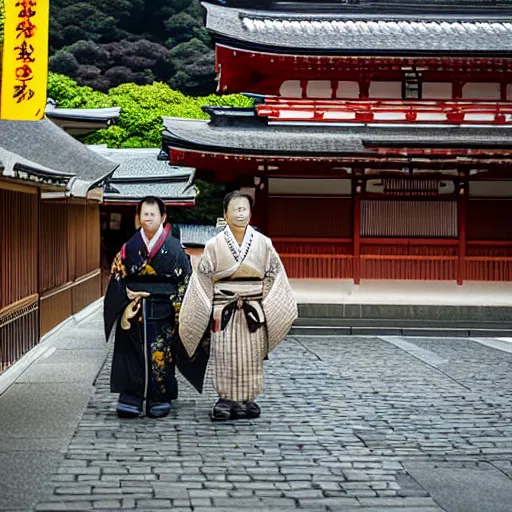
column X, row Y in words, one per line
column 403, row 308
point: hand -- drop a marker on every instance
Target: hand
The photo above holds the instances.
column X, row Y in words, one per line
column 131, row 311
column 136, row 295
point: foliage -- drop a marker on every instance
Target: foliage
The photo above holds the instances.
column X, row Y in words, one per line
column 142, row 108
column 104, row 44
column 208, row 205
column 140, row 125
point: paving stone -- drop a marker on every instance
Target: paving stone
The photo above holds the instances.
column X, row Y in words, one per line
column 65, row 506
column 107, row 504
column 154, row 503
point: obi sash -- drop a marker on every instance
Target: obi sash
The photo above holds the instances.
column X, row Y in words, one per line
column 230, row 296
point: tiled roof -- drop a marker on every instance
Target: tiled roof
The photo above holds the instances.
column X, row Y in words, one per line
column 256, row 139
column 143, row 175
column 83, row 114
column 195, row 236
column 149, row 167
column 348, row 32
column 243, row 137
column 17, row 167
column 168, row 191
column 48, row 145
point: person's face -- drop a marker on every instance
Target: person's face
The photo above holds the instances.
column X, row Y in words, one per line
column 150, row 218
column 239, row 212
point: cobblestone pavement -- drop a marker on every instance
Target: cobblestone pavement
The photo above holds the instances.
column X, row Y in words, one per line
column 342, row 420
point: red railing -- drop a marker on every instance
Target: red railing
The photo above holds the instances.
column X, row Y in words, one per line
column 421, row 259
column 416, row 259
column 387, row 111
column 316, row 258
column 488, row 261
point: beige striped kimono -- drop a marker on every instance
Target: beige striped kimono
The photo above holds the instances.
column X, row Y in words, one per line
column 242, row 293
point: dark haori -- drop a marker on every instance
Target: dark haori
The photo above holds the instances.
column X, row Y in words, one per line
column 142, row 303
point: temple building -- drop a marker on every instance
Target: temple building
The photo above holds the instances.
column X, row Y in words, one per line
column 380, row 143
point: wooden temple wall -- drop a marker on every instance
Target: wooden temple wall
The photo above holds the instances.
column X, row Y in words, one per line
column 70, row 276
column 49, row 266
column 452, row 238
column 19, row 299
column 408, row 239
column 312, row 235
column 489, row 234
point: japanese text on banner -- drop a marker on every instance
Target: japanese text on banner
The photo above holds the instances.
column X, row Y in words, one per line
column 24, row 60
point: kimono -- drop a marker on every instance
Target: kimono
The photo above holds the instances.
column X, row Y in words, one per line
column 143, row 362
column 241, row 299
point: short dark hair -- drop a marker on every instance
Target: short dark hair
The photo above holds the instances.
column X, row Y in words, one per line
column 235, row 195
column 152, row 200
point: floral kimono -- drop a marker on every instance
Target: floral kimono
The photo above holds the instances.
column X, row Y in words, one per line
column 143, row 364
column 241, row 294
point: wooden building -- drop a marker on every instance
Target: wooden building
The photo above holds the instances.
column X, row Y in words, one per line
column 380, row 146
column 50, row 192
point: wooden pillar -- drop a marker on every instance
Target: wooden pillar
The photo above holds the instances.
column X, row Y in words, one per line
column 462, row 208
column 356, row 231
column 261, row 203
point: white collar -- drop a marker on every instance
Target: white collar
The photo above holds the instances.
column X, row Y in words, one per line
column 151, row 243
column 239, row 251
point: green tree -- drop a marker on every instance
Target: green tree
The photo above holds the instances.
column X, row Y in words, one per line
column 192, row 66
column 142, row 108
column 104, row 44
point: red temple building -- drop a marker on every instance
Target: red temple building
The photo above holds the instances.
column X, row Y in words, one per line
column 380, row 144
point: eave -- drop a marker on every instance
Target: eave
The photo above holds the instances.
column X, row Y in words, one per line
column 345, row 31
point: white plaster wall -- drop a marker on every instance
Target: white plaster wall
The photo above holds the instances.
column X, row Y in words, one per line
column 490, row 188
column 310, row 187
column 291, row 89
column 296, row 114
column 388, row 90
column 319, row 89
column 481, row 91
column 436, row 90
column 348, row 90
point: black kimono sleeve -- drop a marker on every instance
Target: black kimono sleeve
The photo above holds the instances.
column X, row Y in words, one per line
column 116, row 299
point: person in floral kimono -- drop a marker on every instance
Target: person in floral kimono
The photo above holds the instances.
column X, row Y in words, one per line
column 148, row 280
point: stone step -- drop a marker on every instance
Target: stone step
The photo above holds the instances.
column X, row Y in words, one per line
column 395, row 328
column 399, row 323
column 474, row 314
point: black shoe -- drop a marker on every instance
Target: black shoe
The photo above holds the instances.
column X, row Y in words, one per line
column 252, row 409
column 158, row 409
column 222, row 410
column 129, row 406
column 238, row 411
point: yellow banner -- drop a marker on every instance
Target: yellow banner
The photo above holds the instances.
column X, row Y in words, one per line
column 25, row 59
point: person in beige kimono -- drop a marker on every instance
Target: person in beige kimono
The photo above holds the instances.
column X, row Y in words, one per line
column 240, row 297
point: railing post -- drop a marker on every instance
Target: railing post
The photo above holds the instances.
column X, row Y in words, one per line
column 462, row 207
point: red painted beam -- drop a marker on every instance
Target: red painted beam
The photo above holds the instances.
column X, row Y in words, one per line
column 242, row 70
